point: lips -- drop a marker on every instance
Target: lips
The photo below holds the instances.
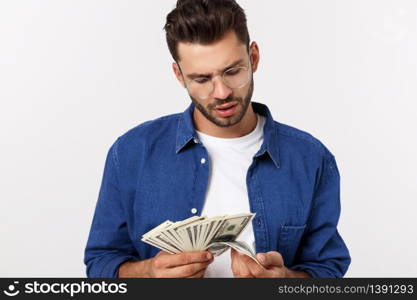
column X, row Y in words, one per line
column 225, row 106
column 226, row 110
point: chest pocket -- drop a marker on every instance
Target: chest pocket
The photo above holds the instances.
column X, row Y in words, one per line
column 289, row 241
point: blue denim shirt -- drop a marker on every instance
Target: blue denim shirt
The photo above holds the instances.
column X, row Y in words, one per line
column 154, row 172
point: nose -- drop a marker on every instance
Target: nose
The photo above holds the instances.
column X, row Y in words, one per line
column 220, row 90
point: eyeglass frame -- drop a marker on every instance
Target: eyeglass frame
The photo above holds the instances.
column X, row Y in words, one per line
column 249, row 67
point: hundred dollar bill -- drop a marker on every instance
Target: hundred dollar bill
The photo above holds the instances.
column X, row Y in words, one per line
column 215, row 234
column 243, row 248
column 229, row 231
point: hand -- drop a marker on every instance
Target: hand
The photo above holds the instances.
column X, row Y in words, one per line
column 191, row 264
column 272, row 266
column 186, row 264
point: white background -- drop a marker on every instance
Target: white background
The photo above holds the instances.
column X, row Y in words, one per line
column 75, row 75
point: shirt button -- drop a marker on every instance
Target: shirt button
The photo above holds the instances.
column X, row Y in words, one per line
column 194, row 211
column 203, row 160
column 196, row 141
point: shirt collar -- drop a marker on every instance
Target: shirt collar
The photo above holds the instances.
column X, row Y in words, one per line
column 186, row 132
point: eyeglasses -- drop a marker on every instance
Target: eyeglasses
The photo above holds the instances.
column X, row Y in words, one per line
column 234, row 78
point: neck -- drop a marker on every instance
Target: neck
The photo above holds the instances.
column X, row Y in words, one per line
column 244, row 127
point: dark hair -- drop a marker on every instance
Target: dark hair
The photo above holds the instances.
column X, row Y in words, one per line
column 204, row 22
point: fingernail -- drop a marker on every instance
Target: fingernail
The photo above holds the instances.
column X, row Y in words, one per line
column 208, row 255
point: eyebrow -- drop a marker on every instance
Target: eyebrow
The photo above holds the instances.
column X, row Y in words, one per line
column 232, row 65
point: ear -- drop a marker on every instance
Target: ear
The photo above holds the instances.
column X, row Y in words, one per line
column 178, row 73
column 254, row 56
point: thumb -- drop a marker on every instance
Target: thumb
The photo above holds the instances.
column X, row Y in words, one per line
column 271, row 258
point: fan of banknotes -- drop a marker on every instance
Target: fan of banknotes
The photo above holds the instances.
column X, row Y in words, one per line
column 215, row 234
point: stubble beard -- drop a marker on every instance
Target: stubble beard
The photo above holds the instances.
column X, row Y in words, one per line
column 242, row 103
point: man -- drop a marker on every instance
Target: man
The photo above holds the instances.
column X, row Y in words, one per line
column 223, row 155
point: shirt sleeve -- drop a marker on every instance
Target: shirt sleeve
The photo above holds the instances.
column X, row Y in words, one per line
column 322, row 252
column 109, row 244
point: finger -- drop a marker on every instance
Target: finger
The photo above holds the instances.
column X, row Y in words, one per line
column 234, row 263
column 162, row 253
column 186, row 270
column 271, row 258
column 241, row 263
column 257, row 270
column 249, row 268
column 184, row 258
column 237, row 266
column 244, row 271
column 199, row 274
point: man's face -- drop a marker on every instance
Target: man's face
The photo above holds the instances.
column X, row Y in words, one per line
column 204, row 62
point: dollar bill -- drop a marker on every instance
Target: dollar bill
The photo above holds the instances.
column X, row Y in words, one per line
column 215, row 234
column 243, row 248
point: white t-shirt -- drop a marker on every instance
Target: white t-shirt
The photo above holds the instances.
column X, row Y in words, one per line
column 227, row 192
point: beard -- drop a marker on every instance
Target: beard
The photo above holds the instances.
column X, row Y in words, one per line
column 208, row 111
